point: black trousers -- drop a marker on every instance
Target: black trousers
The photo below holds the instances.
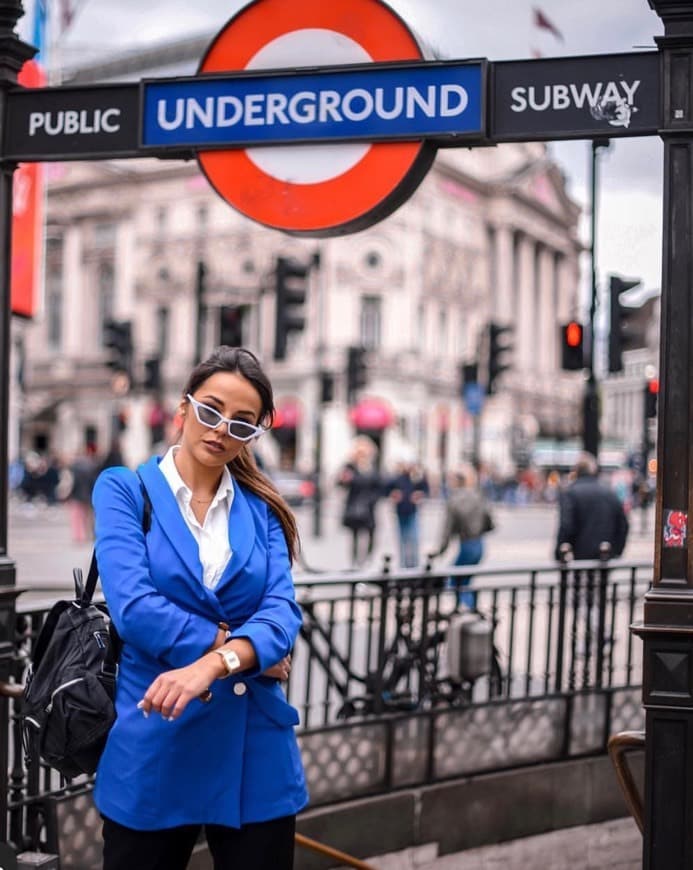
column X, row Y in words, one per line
column 258, row 846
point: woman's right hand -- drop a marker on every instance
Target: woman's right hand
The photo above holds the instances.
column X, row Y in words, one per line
column 280, row 671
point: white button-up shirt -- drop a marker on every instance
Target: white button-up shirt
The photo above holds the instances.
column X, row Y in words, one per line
column 213, row 535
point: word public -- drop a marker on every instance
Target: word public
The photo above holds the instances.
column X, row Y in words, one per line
column 70, row 121
column 311, row 107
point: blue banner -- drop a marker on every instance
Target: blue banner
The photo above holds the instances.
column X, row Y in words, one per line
column 426, row 100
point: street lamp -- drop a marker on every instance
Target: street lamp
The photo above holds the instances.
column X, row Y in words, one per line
column 591, row 400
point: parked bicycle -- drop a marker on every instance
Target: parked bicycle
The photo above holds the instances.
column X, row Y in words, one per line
column 423, row 650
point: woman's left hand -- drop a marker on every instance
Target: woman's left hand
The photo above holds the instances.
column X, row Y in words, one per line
column 280, row 671
column 172, row 691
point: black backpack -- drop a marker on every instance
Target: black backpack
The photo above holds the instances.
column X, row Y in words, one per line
column 68, row 706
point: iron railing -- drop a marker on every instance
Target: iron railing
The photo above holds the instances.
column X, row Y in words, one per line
column 380, row 705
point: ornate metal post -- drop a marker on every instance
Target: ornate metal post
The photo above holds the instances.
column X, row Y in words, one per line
column 667, row 628
column 13, row 53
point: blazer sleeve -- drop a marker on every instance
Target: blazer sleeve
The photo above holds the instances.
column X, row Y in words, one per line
column 273, row 628
column 143, row 616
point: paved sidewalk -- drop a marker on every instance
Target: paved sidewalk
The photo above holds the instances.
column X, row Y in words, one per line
column 616, row 845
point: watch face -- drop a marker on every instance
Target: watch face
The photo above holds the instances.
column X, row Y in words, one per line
column 232, row 661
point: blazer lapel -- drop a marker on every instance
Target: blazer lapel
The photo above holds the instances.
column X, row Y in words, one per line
column 241, row 533
column 165, row 509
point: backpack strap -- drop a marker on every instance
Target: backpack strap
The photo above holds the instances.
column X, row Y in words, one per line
column 84, row 594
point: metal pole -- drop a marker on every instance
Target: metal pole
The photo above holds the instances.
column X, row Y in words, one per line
column 591, row 435
column 319, row 406
column 13, row 53
column 200, row 308
column 667, row 627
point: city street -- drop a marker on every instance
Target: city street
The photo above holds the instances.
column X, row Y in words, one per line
column 40, row 544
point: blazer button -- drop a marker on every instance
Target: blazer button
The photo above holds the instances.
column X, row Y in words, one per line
column 240, row 688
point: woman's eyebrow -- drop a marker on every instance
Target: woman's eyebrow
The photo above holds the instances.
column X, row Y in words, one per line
column 219, row 402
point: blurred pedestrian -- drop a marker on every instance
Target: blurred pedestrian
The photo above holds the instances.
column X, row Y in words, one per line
column 467, row 519
column 590, row 514
column 83, row 469
column 406, row 490
column 205, row 595
column 114, row 456
column 364, row 486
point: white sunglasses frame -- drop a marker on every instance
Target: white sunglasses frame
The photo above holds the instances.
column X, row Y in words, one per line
column 259, row 430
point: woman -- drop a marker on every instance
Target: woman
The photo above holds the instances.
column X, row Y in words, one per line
column 361, row 479
column 467, row 518
column 204, row 596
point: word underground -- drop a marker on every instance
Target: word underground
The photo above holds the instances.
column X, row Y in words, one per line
column 308, row 107
column 564, row 96
column 73, row 121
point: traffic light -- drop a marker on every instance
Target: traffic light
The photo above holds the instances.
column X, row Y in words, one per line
column 627, row 329
column 152, row 374
column 572, row 352
column 291, row 293
column 117, row 337
column 231, row 325
column 326, row 388
column 469, row 374
column 497, row 354
column 357, row 371
column 651, row 393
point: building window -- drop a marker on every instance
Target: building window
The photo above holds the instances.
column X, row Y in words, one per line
column 106, row 293
column 373, row 259
column 462, row 335
column 443, row 331
column 54, row 292
column 421, row 326
column 104, row 235
column 163, row 320
column 161, row 220
column 371, row 316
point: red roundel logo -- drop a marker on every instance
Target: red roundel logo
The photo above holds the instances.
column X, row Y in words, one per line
column 320, row 189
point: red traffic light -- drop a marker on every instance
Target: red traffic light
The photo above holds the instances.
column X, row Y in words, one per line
column 573, row 334
column 572, row 356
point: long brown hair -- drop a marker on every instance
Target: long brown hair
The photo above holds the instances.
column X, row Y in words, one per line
column 244, row 468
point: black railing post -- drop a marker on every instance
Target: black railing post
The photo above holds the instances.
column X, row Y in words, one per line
column 604, row 554
column 379, row 675
column 566, row 555
column 13, row 53
column 667, row 628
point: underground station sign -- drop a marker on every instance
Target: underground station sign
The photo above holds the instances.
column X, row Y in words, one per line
column 322, row 119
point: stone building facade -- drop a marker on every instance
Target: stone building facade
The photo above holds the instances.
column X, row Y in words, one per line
column 490, row 235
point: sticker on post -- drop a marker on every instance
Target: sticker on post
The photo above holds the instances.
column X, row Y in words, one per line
column 675, row 528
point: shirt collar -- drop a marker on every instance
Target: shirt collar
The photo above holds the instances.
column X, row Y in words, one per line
column 167, row 466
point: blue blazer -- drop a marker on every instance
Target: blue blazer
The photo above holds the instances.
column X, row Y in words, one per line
column 234, row 760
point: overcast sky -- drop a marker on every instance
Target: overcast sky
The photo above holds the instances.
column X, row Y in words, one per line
column 629, row 213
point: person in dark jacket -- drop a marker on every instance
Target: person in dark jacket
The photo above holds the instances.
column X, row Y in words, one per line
column 590, row 513
column 364, row 486
column 406, row 490
column 467, row 519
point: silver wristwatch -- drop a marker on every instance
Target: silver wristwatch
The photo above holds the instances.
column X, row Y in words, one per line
column 231, row 661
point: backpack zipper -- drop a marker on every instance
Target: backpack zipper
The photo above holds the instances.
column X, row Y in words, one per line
column 59, row 689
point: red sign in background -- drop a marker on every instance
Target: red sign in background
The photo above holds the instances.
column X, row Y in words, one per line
column 27, row 220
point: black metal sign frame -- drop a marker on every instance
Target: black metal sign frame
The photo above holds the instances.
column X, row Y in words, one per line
column 528, row 100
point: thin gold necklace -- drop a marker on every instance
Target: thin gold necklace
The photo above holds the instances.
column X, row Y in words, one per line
column 202, row 500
